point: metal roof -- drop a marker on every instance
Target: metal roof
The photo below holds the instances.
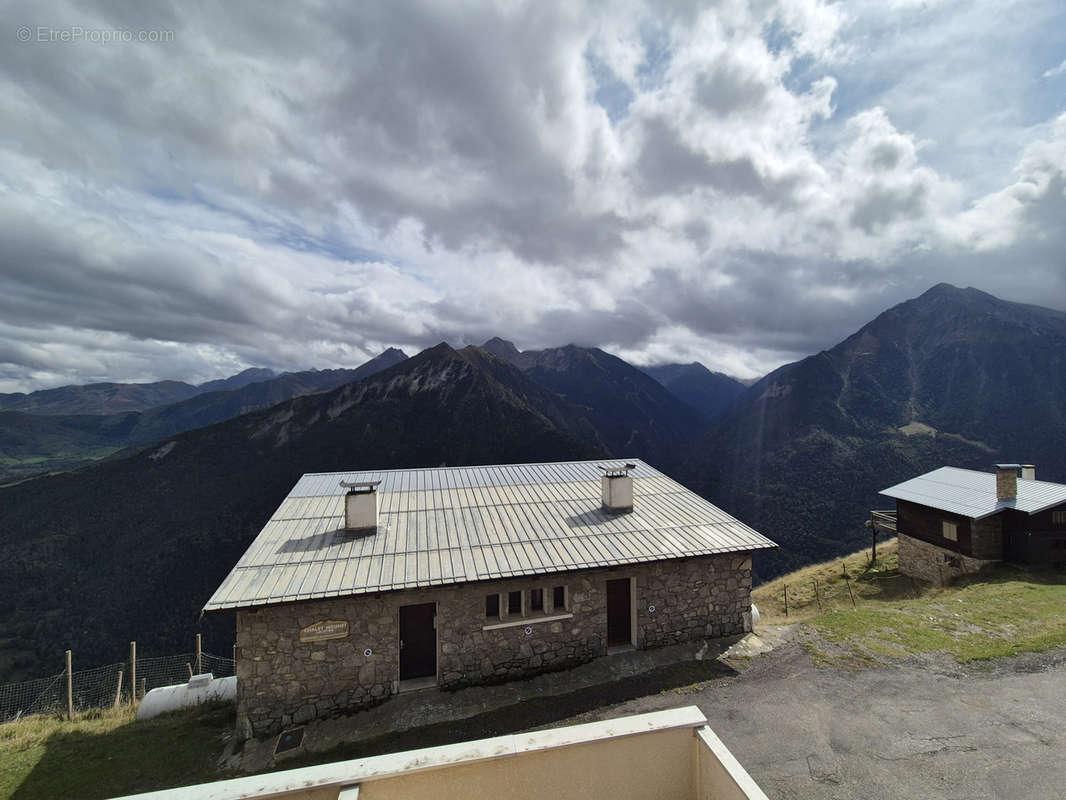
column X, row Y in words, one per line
column 973, row 494
column 457, row 524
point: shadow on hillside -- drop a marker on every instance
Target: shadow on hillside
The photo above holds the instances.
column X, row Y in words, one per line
column 1006, row 572
column 525, row 715
column 175, row 750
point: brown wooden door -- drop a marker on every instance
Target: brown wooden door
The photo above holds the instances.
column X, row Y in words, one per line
column 619, row 612
column 418, row 641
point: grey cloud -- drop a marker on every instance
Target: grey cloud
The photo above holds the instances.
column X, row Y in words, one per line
column 668, row 166
column 429, row 136
column 882, row 205
column 885, row 156
column 728, row 88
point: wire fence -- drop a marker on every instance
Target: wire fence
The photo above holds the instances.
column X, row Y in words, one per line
column 103, row 687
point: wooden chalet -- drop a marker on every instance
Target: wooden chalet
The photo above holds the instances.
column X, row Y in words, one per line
column 953, row 521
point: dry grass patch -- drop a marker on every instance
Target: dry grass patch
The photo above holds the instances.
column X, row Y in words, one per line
column 843, row 583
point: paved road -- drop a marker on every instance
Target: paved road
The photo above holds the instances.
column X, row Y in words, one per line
column 922, row 729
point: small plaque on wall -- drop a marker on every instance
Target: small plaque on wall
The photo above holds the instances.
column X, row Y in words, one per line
column 322, row 631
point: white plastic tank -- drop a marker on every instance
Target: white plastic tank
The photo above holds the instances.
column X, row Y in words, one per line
column 205, row 688
column 754, row 615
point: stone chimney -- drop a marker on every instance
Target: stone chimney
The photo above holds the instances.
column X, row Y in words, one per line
column 617, row 489
column 361, row 506
column 1028, row 472
column 1007, row 482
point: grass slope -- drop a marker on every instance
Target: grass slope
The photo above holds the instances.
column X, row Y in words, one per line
column 107, row 753
column 876, row 612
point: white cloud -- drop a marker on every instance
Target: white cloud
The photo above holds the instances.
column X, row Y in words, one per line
column 1055, row 71
column 303, row 190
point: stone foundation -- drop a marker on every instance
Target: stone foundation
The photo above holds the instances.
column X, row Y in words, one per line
column 933, row 564
column 283, row 682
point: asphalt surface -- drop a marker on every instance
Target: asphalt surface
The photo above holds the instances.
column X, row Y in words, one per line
column 924, row 728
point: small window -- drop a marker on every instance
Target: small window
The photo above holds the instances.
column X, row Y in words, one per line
column 1058, row 517
column 514, row 603
column 559, row 597
column 492, row 606
column 536, row 599
column 950, row 530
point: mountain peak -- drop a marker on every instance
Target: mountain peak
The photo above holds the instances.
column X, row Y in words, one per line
column 501, row 348
column 385, row 359
column 947, row 291
column 941, row 288
column 242, row 378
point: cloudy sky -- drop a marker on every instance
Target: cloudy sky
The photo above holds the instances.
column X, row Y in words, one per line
column 189, row 190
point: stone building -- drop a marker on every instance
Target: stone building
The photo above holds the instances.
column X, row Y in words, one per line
column 955, row 521
column 366, row 584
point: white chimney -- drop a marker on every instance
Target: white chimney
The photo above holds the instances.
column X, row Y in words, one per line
column 1028, row 472
column 361, row 506
column 1007, row 482
column 617, row 489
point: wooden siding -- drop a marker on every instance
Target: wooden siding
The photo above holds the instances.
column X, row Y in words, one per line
column 1035, row 538
column 924, row 523
column 1009, row 535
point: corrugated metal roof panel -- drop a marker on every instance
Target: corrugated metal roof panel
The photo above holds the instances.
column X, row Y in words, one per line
column 457, row 524
column 973, row 494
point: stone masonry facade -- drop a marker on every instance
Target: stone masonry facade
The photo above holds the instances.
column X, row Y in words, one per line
column 283, row 682
column 927, row 562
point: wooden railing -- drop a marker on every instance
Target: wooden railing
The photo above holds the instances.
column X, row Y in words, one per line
column 884, row 521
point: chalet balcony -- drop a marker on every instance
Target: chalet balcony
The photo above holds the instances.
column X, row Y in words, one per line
column 883, row 521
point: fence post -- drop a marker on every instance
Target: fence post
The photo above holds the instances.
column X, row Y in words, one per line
column 133, row 673
column 188, row 666
column 817, row 596
column 849, row 590
column 70, row 690
column 118, row 690
column 786, row 599
column 199, row 656
column 144, row 681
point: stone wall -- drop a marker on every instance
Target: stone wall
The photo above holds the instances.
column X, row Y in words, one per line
column 933, row 564
column 693, row 599
column 986, row 538
column 282, row 682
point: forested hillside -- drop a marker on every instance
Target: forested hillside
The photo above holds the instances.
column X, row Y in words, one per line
column 40, row 443
column 134, row 547
column 955, row 376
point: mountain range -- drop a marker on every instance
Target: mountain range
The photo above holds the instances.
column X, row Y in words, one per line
column 955, row 376
column 710, row 394
column 49, row 440
column 131, row 547
column 115, row 398
column 626, row 410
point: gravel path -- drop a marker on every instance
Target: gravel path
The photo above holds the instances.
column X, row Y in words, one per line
column 924, row 728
